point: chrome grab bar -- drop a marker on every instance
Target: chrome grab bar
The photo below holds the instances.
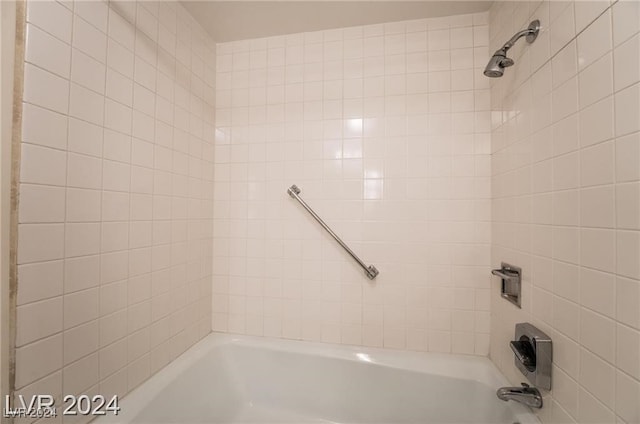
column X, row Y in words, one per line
column 370, row 270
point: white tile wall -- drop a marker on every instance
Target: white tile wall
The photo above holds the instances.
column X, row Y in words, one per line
column 116, row 194
column 386, row 129
column 390, row 131
column 565, row 183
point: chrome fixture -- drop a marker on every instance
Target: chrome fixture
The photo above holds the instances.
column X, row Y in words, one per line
column 533, row 354
column 499, row 60
column 526, row 395
column 369, row 270
column 511, row 282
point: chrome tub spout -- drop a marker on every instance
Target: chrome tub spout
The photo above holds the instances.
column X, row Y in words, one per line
column 526, row 395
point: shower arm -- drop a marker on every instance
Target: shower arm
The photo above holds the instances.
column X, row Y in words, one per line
column 531, row 33
column 515, row 38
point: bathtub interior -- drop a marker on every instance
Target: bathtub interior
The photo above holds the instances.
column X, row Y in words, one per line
column 243, row 383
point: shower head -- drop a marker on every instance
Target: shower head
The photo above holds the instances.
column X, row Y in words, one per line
column 499, row 60
column 497, row 63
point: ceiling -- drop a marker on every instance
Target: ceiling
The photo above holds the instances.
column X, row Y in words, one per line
column 241, row 20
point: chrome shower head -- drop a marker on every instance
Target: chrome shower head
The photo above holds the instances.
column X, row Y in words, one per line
column 497, row 63
column 499, row 60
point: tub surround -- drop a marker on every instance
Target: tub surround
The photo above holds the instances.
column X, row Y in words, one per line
column 133, row 118
column 386, row 129
column 565, row 190
column 115, row 212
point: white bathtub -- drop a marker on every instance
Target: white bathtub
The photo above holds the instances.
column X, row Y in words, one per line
column 239, row 379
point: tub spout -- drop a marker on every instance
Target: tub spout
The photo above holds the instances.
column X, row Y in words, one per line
column 526, row 395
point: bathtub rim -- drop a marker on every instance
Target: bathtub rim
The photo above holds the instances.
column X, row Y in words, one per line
column 459, row 366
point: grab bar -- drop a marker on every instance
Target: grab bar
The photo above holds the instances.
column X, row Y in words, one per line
column 370, row 270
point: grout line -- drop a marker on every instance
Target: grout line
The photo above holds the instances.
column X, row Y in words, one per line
column 101, row 191
column 64, row 259
column 615, row 217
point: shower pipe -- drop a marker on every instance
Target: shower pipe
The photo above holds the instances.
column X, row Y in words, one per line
column 370, row 270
